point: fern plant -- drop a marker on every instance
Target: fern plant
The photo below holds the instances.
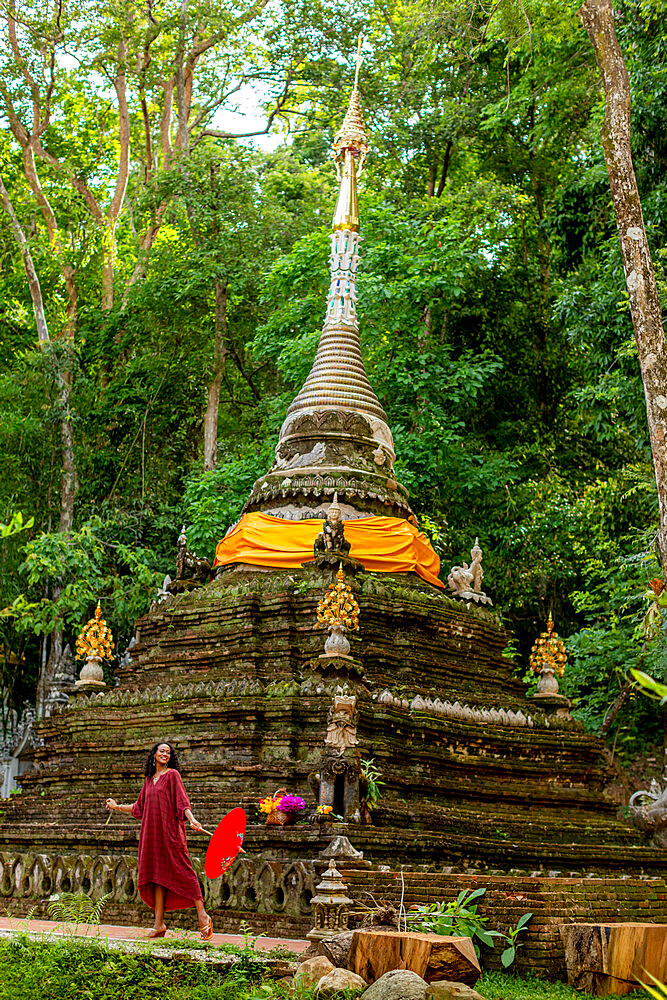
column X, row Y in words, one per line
column 77, row 908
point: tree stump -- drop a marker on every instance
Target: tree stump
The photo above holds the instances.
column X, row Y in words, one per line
column 431, row 956
column 604, row 959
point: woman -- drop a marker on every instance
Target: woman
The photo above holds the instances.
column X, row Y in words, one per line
column 167, row 880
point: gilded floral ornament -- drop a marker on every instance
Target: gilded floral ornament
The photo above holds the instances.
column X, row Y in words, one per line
column 338, row 612
column 95, row 642
column 548, row 651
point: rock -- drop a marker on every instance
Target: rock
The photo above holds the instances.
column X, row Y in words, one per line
column 401, row 984
column 444, row 990
column 311, row 971
column 340, row 982
column 311, row 952
column 337, row 949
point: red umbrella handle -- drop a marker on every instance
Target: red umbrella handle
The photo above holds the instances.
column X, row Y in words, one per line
column 208, row 832
column 225, row 843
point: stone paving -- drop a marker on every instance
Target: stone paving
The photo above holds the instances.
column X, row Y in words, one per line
column 114, row 932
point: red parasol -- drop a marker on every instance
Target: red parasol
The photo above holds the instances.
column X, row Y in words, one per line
column 225, row 843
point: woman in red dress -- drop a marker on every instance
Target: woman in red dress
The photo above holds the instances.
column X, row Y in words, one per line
column 167, row 880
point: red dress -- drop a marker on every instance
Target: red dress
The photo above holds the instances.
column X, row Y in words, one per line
column 163, row 848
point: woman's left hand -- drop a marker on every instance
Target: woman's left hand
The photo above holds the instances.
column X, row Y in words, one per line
column 196, row 825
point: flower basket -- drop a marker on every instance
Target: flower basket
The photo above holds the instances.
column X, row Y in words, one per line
column 275, row 817
column 282, row 809
column 278, row 818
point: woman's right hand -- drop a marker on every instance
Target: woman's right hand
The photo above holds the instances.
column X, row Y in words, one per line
column 112, row 804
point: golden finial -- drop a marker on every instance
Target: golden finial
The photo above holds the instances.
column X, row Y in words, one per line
column 338, row 608
column 548, row 651
column 95, row 640
column 359, row 61
column 350, row 148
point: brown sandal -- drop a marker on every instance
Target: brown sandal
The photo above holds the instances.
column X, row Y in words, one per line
column 157, row 934
column 208, row 933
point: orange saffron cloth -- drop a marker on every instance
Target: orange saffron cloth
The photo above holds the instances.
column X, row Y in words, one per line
column 381, row 544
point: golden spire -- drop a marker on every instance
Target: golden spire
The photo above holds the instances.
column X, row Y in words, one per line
column 335, row 436
column 350, row 148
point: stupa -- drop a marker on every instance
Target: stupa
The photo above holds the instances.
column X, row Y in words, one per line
column 476, row 779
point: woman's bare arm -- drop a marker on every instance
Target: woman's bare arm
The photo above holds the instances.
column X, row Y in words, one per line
column 112, row 804
column 195, row 824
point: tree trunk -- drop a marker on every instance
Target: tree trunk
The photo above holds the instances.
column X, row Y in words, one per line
column 219, row 355
column 598, row 19
column 48, row 670
column 31, row 273
column 70, row 481
column 613, row 958
column 615, row 708
column 445, row 169
column 108, row 255
column 63, row 378
column 431, row 956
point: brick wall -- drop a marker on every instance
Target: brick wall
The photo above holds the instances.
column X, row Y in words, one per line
column 552, row 901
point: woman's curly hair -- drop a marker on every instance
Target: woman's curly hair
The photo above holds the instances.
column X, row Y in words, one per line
column 150, row 766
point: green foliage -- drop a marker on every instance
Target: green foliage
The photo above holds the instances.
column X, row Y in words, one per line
column 16, row 525
column 658, row 990
column 649, row 684
column 77, row 908
column 81, row 567
column 213, row 500
column 460, row 918
column 76, row 969
column 88, row 970
column 371, row 773
column 500, row 986
column 509, row 954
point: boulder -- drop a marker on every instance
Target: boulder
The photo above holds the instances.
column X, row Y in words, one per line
column 311, row 971
column 400, row 984
column 337, row 949
column 340, row 982
column 444, row 990
column 310, row 952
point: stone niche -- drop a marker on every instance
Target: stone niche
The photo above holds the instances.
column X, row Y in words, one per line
column 340, row 768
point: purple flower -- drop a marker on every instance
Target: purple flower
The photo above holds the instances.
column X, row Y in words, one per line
column 291, row 804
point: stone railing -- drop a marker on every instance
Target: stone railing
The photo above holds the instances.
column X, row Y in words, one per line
column 252, row 886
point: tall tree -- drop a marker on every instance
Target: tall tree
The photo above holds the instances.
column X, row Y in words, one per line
column 598, row 19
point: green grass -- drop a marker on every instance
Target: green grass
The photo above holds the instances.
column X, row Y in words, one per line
column 500, row 986
column 73, row 969
column 76, row 970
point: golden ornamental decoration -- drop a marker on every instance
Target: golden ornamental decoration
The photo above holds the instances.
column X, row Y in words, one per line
column 95, row 640
column 549, row 651
column 338, row 608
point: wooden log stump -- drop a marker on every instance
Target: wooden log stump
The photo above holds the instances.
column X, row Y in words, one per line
column 605, row 959
column 431, row 956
